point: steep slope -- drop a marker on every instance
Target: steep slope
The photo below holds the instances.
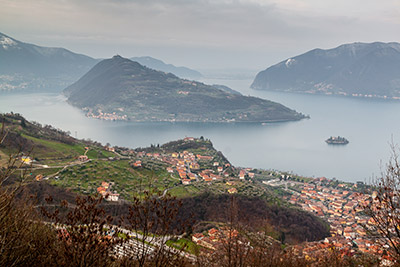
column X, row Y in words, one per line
column 358, row 69
column 157, row 64
column 119, row 88
column 26, row 66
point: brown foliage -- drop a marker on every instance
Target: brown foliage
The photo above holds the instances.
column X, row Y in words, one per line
column 384, row 209
column 295, row 225
column 24, row 238
column 152, row 220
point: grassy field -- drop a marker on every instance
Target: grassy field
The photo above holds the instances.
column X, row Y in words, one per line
column 185, row 244
column 45, row 149
column 128, row 181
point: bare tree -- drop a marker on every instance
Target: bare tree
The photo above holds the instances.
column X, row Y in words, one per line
column 85, row 234
column 152, row 221
column 384, row 209
column 24, row 239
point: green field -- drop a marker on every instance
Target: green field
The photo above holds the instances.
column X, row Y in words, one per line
column 128, row 181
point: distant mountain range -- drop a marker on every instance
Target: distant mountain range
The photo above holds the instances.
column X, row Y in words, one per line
column 28, row 67
column 121, row 89
column 358, row 69
column 157, row 64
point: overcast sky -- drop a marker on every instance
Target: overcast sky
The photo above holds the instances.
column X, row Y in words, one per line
column 202, row 34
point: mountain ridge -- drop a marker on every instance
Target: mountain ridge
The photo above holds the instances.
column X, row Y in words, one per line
column 357, row 69
column 30, row 67
column 33, row 67
column 157, row 64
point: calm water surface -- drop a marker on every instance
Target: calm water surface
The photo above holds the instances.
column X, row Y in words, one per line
column 370, row 125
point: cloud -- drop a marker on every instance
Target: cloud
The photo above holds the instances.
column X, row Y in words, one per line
column 278, row 28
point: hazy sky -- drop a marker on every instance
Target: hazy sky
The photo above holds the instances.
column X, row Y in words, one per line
column 202, row 34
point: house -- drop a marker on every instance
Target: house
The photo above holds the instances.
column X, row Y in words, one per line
column 220, row 168
column 216, row 163
column 204, row 176
column 213, row 232
column 197, row 236
column 101, row 190
column 251, row 174
column 105, row 184
column 188, row 138
column 138, row 163
column 215, row 176
column 170, row 170
column 194, row 166
column 111, row 149
column 242, row 173
column 192, row 176
column 185, row 181
column 26, row 160
column 112, row 196
column 232, row 190
column 83, row 158
column 206, row 242
column 200, row 157
column 182, row 174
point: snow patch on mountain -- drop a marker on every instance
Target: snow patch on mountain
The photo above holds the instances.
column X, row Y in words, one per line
column 7, row 42
column 289, row 62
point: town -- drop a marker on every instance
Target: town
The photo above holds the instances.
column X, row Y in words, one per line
column 340, row 204
column 191, row 162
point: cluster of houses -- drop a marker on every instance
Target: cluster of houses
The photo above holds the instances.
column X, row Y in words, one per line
column 342, row 208
column 344, row 247
column 106, row 116
column 105, row 191
column 214, row 238
column 188, row 165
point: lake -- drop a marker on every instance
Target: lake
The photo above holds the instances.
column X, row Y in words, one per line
column 370, row 126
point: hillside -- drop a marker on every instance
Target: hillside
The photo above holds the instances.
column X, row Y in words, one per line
column 156, row 64
column 47, row 148
column 120, row 89
column 358, row 69
column 30, row 67
column 55, row 170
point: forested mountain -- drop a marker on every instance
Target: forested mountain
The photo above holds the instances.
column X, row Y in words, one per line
column 119, row 88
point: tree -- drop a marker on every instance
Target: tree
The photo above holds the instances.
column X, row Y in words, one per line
column 85, row 235
column 384, row 209
column 24, row 239
column 152, row 221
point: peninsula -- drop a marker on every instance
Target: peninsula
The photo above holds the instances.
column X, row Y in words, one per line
column 121, row 89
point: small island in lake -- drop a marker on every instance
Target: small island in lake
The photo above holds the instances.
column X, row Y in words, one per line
column 337, row 140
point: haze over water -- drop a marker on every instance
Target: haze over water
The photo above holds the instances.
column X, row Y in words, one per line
column 368, row 124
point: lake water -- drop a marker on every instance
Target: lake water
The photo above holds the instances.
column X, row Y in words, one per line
column 368, row 124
